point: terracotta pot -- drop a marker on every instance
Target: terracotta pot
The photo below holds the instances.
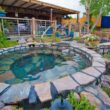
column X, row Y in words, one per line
column 94, row 42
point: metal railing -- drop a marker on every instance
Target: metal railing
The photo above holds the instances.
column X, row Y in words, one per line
column 15, row 28
column 43, row 25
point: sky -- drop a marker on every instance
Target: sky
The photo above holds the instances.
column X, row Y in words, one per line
column 72, row 4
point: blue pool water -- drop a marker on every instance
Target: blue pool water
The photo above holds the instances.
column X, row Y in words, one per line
column 39, row 65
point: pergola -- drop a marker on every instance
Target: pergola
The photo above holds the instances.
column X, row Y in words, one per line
column 35, row 8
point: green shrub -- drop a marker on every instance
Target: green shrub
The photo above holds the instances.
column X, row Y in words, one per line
column 82, row 104
column 1, row 9
column 4, row 43
column 106, row 90
column 106, row 55
column 77, row 38
column 57, row 39
column 49, row 39
column 15, row 108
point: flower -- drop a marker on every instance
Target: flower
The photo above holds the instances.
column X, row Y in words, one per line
column 90, row 37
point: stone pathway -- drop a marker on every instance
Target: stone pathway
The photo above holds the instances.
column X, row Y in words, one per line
column 97, row 97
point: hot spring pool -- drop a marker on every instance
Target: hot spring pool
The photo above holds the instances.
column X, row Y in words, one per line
column 39, row 65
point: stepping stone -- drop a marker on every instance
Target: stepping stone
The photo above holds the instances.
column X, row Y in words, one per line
column 96, row 55
column 92, row 72
column 43, row 91
column 8, row 107
column 91, row 90
column 82, row 78
column 105, row 98
column 91, row 52
column 3, row 86
column 102, row 70
column 65, row 83
column 98, row 59
column 6, row 76
column 97, row 64
column 16, row 93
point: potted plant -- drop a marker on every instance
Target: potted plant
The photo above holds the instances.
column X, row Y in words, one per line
column 2, row 12
column 91, row 40
column 58, row 34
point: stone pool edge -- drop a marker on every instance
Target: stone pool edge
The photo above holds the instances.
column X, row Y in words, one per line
column 46, row 91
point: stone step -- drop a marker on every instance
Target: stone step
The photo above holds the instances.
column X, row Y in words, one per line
column 43, row 90
column 65, row 83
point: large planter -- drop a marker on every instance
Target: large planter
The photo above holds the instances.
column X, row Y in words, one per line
column 92, row 43
column 57, row 34
column 2, row 14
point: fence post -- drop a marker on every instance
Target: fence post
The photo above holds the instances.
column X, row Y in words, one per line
column 55, row 25
column 33, row 27
column 18, row 27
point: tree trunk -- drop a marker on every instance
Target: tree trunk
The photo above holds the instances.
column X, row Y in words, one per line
column 97, row 20
column 88, row 18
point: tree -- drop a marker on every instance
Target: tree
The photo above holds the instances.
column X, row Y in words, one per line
column 95, row 8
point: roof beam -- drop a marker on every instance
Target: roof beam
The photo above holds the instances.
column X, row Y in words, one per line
column 14, row 2
column 23, row 4
column 31, row 5
column 39, row 6
column 3, row 1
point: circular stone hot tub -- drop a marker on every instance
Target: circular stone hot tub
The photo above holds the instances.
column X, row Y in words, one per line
column 41, row 64
column 48, row 68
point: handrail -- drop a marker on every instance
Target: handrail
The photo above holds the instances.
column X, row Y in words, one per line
column 45, row 31
column 13, row 18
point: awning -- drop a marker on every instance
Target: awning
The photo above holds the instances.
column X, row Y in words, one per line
column 36, row 6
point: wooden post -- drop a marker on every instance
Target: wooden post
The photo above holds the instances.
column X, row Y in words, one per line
column 33, row 27
column 78, row 24
column 51, row 14
column 18, row 27
column 55, row 25
column 16, row 14
column 78, row 18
